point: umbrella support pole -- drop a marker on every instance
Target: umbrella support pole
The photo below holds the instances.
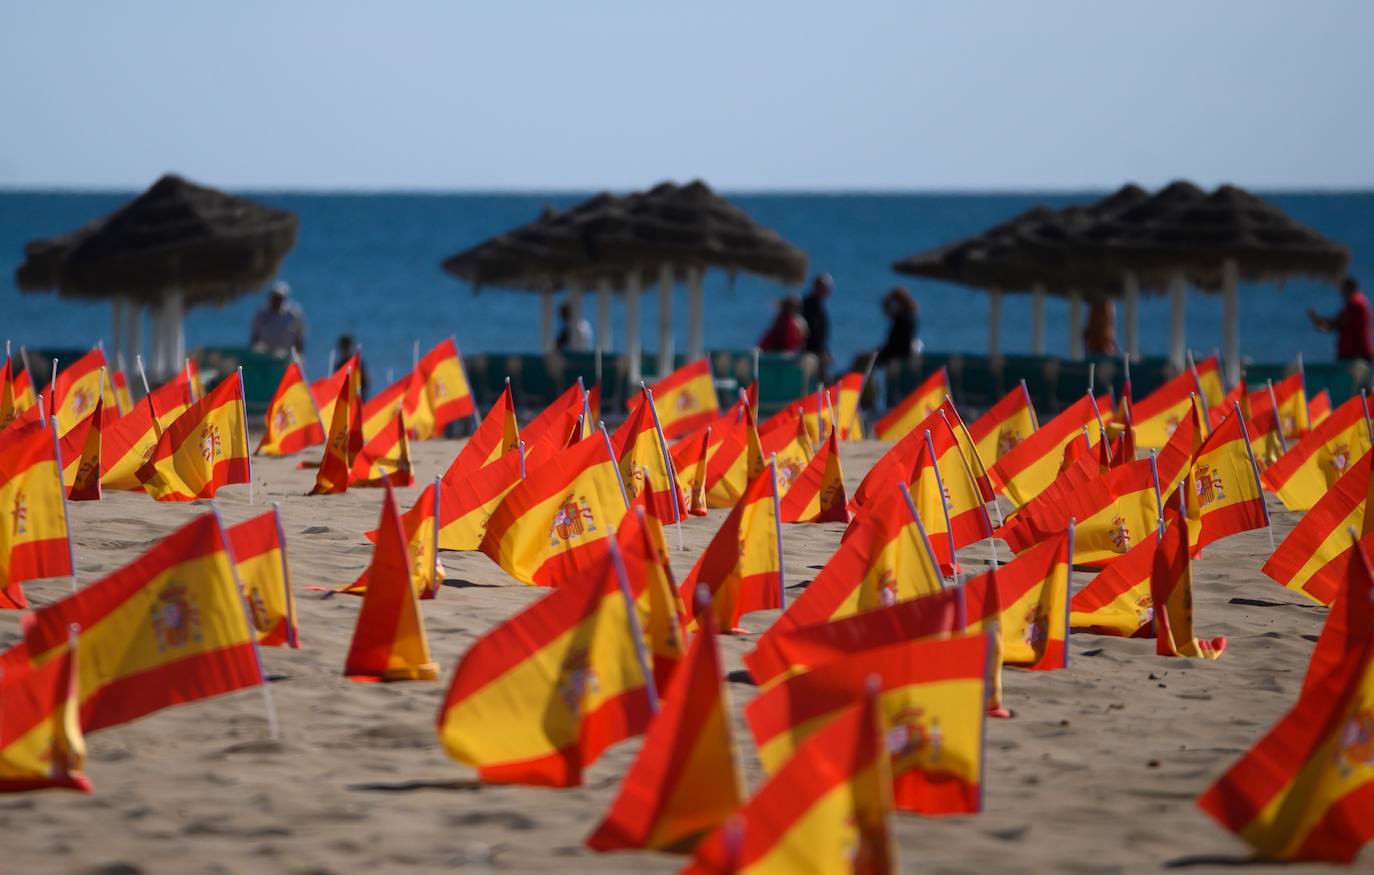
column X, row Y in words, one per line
column 666, row 353
column 1130, row 290
column 1177, row 316
column 603, row 316
column 1230, row 347
column 1038, row 320
column 696, row 334
column 632, row 349
column 1075, row 326
column 176, row 328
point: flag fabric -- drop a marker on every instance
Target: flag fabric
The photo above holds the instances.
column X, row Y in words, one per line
column 690, row 457
column 447, row 397
column 1304, row 791
column 1316, row 556
column 1208, row 375
column 1171, row 591
column 1224, row 495
column 686, row 779
column 335, row 467
column 16, row 393
column 292, row 422
column 34, row 539
column 1118, row 601
column 260, row 562
column 168, row 628
column 171, row 399
column 206, row 448
column 1030, row 466
column 742, row 566
column 549, row 432
column 497, row 434
column 1319, row 407
column 848, row 390
column 728, row 469
column 644, row 463
column 467, row 503
column 380, row 410
column 968, row 450
column 947, row 496
column 75, row 389
column 124, row 399
column 1006, row 424
column 421, row 538
column 1174, row 461
column 127, row 444
column 41, row 745
column 538, row 698
column 1350, row 620
column 923, row 401
column 386, row 458
column 389, row 637
column 1158, row 414
column 661, row 616
column 895, row 465
column 790, row 447
column 1287, row 399
column 80, row 448
column 552, row 527
column 686, row 399
column 1311, row 467
column 825, row 810
column 817, row 494
column 932, row 695
column 326, row 390
column 1030, row 606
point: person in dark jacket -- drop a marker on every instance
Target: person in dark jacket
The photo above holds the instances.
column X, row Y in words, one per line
column 818, row 323
column 903, row 333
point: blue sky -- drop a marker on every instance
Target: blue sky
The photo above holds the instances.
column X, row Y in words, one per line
column 326, row 94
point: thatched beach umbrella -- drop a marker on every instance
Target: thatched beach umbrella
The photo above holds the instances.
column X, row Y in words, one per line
column 175, row 246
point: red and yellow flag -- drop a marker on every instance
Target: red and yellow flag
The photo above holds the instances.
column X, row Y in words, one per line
column 379, row 411
column 1208, row 375
column 1289, row 398
column 206, row 448
column 389, row 638
column 644, row 463
column 1030, row 605
column 728, row 468
column 662, row 617
column 552, row 527
column 1171, row 592
column 34, row 540
column 16, row 392
column 386, row 458
column 497, row 435
column 1306, row 790
column 168, row 628
column 1316, row 556
column 686, row 779
column 124, row 399
column 41, row 744
column 690, row 458
column 260, row 561
column 1319, row 407
column 901, row 420
column 686, row 399
column 1157, row 415
column 335, row 467
column 1031, row 465
column 73, row 393
column 447, row 397
column 172, row 399
column 947, row 496
column 292, row 422
column 932, row 695
column 467, row 503
column 326, row 390
column 848, row 391
column 418, row 527
column 80, row 448
column 1118, row 601
column 127, row 444
column 539, row 697
column 1301, row 476
column 742, row 566
column 825, row 810
column 1223, row 488
column 817, row 494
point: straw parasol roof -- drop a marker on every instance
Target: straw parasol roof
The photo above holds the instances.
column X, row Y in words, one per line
column 607, row 237
column 177, row 235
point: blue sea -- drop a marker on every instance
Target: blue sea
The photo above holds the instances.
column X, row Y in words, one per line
column 368, row 265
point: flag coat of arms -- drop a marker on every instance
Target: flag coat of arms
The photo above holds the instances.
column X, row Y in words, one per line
column 447, row 397
column 817, row 495
column 1223, row 491
column 73, row 393
column 206, row 448
column 292, row 422
column 645, row 466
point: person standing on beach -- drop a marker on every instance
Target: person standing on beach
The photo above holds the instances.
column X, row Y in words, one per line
column 343, row 351
column 903, row 333
column 576, row 333
column 818, row 323
column 787, row 334
column 1351, row 324
column 279, row 327
column 1100, row 335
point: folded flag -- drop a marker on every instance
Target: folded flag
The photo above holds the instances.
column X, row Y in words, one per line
column 16, row 392
column 686, row 779
column 34, row 538
column 901, row 420
column 690, row 457
column 496, row 435
column 168, row 628
column 817, row 494
column 1301, row 476
column 1208, row 375
column 931, row 693
column 1224, row 495
column 389, row 638
column 661, row 616
column 552, row 527
column 1319, row 407
column 206, row 448
column 1006, row 424
column 325, row 391
column 421, row 538
column 1118, row 601
column 292, row 422
column 825, row 810
column 848, row 390
column 385, row 459
column 1315, row 558
column 1158, row 414
column 1171, row 591
column 80, row 447
column 259, row 550
column 335, row 468
column 41, row 744
column 1027, row 468
column 1030, row 606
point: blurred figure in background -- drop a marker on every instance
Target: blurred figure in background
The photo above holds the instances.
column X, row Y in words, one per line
column 1351, row 324
column 279, row 327
column 576, row 333
column 344, row 351
column 788, row 331
column 903, row 333
column 1100, row 336
column 818, row 323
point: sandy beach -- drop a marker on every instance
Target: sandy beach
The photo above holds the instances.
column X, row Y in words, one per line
column 1097, row 772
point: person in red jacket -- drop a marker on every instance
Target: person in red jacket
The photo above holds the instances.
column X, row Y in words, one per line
column 1351, row 324
column 788, row 331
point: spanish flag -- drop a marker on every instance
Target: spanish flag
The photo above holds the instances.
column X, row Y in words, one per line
column 447, row 396
column 1207, row 373
column 686, row 779
column 1224, row 494
column 80, row 448
column 127, row 444
column 790, row 448
column 1158, row 414
column 552, row 527
column 172, row 399
column 931, row 693
column 1030, row 466
column 418, row 527
column 389, row 638
column 553, row 417
column 292, row 422
column 385, row 458
column 379, row 411
column 497, row 435
column 895, row 465
column 467, row 502
column 1171, row 591
column 1303, row 792
column 968, row 449
column 206, row 448
column 825, row 810
column 1348, row 623
column 1030, row 606
column 947, row 496
column 686, row 399
column 1176, row 458
column 817, row 494
column 326, row 391
column 644, row 463
column 539, row 697
column 728, row 469
column 16, row 392
column 73, row 393
column 1319, row 407
column 742, row 566
column 41, row 745
column 334, row 472
column 34, row 540
column 796, row 648
column 1289, row 398
column 260, row 561
column 1310, row 468
column 848, row 390
column 168, row 628
column 690, row 457
column 901, row 420
column 1316, row 556
column 124, row 399
column 1118, row 601
column 662, row 617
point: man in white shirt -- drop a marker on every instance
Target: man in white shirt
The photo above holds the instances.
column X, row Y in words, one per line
column 279, row 327
column 576, row 334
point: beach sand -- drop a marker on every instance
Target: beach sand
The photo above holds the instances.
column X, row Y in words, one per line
column 1097, row 772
